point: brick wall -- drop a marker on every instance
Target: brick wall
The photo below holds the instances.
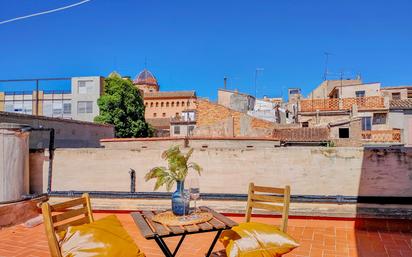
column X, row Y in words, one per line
column 302, row 134
column 217, row 116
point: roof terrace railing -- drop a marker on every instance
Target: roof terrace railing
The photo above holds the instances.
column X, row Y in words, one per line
column 382, row 136
column 338, row 104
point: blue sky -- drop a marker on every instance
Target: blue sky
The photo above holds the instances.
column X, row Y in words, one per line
column 194, row 44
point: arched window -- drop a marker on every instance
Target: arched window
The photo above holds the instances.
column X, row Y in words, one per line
column 154, row 115
column 173, row 104
column 167, row 104
column 177, row 104
column 151, row 104
column 146, row 104
column 161, row 104
column 183, row 103
column 188, row 103
column 157, row 104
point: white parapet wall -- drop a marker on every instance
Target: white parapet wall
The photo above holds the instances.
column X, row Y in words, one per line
column 228, row 168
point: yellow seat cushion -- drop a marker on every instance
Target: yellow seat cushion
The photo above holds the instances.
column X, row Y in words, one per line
column 105, row 237
column 254, row 239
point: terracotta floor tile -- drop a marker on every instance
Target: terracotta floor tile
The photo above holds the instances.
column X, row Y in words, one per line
column 317, row 238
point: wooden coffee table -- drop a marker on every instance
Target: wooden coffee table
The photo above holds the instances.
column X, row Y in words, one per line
column 153, row 230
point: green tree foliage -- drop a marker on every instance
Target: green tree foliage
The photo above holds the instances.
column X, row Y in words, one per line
column 122, row 105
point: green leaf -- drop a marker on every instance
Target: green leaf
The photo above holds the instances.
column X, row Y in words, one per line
column 122, row 106
column 177, row 170
column 196, row 167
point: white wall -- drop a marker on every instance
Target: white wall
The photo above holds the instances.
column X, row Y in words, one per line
column 93, row 95
column 309, row 170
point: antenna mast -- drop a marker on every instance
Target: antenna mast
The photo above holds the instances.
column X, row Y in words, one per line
column 325, row 74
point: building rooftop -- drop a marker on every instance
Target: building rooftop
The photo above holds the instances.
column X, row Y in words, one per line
column 401, row 104
column 170, row 94
column 145, row 77
column 159, row 122
column 317, row 238
column 396, row 87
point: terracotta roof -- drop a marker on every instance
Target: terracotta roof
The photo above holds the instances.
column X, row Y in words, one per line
column 401, row 104
column 170, row 94
column 159, row 123
column 145, row 77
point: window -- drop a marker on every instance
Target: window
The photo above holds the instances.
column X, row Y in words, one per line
column 85, row 86
column 146, row 104
column 396, row 96
column 48, row 108
column 151, row 104
column 343, row 132
column 154, row 114
column 305, row 124
column 379, row 118
column 177, row 104
column 67, row 107
column 57, row 109
column 176, row 130
column 188, row 103
column 188, row 116
column 164, row 114
column 161, row 104
column 9, row 107
column 183, row 103
column 85, row 107
column 167, row 104
column 19, row 106
column 173, row 104
column 366, row 123
column 294, row 91
column 190, row 129
column 177, row 114
column 157, row 104
column 360, row 93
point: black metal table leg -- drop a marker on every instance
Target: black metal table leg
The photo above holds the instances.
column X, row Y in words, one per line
column 214, row 243
column 178, row 245
column 163, row 246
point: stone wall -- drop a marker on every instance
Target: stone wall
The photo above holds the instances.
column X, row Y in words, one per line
column 229, row 166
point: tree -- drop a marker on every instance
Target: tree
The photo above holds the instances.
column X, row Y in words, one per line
column 122, row 105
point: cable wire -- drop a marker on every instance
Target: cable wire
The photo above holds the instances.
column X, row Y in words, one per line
column 45, row 12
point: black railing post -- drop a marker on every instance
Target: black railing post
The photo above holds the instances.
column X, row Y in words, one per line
column 132, row 173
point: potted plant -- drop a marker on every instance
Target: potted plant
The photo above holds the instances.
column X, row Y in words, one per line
column 177, row 170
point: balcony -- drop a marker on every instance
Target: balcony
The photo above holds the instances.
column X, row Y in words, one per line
column 382, row 136
column 337, row 104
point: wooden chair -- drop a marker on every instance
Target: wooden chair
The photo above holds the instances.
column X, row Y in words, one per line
column 278, row 203
column 67, row 215
column 268, row 201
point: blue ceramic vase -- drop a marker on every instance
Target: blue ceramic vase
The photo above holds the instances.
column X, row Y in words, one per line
column 180, row 205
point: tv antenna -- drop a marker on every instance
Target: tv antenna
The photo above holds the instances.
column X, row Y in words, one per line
column 325, row 74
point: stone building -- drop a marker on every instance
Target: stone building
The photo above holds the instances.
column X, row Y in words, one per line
column 354, row 111
column 163, row 106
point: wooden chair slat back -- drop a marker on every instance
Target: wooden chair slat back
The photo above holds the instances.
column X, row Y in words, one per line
column 278, row 203
column 68, row 215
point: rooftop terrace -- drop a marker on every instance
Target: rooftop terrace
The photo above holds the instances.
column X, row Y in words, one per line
column 318, row 238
